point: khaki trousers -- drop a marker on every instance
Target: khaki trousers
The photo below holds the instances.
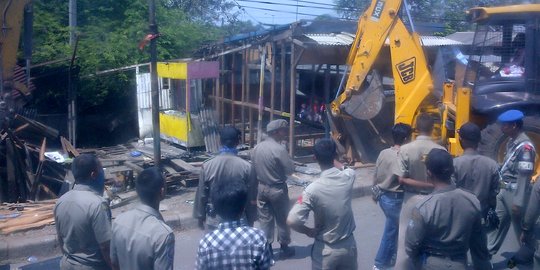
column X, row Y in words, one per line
column 274, row 205
column 338, row 256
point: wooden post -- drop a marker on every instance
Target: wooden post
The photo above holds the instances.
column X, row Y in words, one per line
column 222, row 90
column 292, row 106
column 282, row 73
column 273, row 81
column 261, row 93
column 242, row 108
column 233, row 88
column 326, row 100
column 248, row 99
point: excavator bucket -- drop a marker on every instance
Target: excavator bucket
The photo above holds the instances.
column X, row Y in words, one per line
column 367, row 104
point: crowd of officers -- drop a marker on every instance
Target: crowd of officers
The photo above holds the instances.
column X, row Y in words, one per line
column 437, row 208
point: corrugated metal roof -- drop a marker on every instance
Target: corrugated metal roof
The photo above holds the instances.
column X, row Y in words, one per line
column 346, row 39
column 332, row 39
column 430, row 41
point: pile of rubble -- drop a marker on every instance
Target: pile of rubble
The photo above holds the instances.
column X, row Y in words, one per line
column 35, row 165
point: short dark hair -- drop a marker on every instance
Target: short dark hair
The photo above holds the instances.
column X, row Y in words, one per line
column 424, row 123
column 440, row 164
column 325, row 151
column 230, row 137
column 229, row 197
column 83, row 166
column 519, row 123
column 149, row 184
column 400, row 132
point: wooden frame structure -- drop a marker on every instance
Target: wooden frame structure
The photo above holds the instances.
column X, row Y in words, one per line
column 260, row 76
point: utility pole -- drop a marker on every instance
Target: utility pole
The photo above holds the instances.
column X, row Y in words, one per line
column 154, row 83
column 72, row 89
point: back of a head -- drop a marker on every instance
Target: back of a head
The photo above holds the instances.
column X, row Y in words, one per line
column 83, row 166
column 230, row 137
column 470, row 135
column 149, row 184
column 400, row 132
column 325, row 151
column 440, row 164
column 229, row 197
column 424, row 123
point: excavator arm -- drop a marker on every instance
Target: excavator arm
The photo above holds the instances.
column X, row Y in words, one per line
column 374, row 27
column 11, row 17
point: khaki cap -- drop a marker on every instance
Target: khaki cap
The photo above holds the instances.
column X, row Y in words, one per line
column 276, row 124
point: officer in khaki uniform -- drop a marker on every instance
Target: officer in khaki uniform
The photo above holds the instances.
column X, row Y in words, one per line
column 530, row 225
column 83, row 218
column 329, row 198
column 515, row 173
column 476, row 173
column 226, row 165
column 272, row 165
column 446, row 223
column 140, row 238
column 411, row 170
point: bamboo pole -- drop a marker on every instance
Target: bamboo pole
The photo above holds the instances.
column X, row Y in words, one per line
column 248, row 97
column 242, row 108
column 273, row 81
column 233, row 88
column 282, row 73
column 292, row 98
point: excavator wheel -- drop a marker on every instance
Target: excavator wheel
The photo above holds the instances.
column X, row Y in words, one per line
column 493, row 142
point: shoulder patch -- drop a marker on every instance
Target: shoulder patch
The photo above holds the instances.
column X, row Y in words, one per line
column 299, row 201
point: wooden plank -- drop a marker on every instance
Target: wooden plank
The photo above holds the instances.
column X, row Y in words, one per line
column 11, row 172
column 133, row 166
column 21, row 128
column 39, row 170
column 45, row 130
column 185, row 166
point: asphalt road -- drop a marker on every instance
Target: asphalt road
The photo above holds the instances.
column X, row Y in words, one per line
column 369, row 225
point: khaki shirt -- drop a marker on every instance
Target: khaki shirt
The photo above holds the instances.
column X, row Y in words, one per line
column 412, row 156
column 272, row 162
column 446, row 223
column 224, row 166
column 142, row 241
column 513, row 173
column 83, row 222
column 479, row 175
column 329, row 197
column 384, row 170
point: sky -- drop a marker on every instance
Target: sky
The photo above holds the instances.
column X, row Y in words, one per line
column 283, row 11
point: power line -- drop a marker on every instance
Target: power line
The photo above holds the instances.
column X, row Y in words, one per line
column 282, row 11
column 290, row 5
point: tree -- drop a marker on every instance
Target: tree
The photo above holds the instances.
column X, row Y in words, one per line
column 350, row 9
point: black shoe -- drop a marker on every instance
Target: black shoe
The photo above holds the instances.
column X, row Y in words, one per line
column 286, row 252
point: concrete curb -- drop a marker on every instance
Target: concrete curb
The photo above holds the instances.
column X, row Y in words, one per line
column 46, row 245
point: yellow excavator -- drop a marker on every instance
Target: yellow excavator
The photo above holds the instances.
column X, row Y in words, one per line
column 14, row 82
column 392, row 80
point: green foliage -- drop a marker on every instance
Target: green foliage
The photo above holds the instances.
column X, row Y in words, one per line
column 351, row 9
column 109, row 32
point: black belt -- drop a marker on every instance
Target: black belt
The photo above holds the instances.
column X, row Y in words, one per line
column 418, row 192
column 456, row 258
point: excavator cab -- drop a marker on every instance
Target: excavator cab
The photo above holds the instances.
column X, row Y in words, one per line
column 503, row 70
